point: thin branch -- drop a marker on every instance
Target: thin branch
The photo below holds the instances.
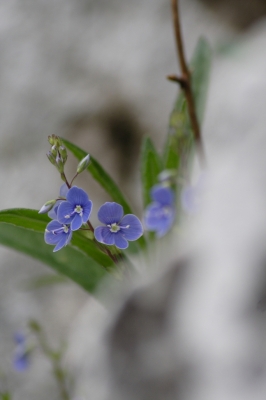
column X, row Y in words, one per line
column 101, row 246
column 185, row 82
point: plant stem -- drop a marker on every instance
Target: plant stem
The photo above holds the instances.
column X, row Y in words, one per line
column 101, row 246
column 58, row 371
column 63, row 176
column 185, row 82
column 73, row 179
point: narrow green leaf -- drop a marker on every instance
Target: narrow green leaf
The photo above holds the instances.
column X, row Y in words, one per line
column 151, row 166
column 81, row 260
column 180, row 139
column 100, row 175
column 200, row 69
column 26, row 218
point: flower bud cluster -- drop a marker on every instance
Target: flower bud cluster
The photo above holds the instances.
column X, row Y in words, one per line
column 57, row 154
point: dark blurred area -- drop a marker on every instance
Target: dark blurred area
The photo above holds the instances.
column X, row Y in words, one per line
column 240, row 13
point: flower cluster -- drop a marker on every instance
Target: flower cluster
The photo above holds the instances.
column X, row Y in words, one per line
column 73, row 208
column 160, row 214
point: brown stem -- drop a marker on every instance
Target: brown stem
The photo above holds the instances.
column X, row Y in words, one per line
column 73, row 179
column 63, row 176
column 101, row 246
column 185, row 82
column 90, row 226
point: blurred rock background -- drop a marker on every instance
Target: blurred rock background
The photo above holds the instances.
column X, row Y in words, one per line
column 94, row 72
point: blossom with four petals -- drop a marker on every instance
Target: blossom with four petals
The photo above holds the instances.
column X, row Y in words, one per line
column 76, row 210
column 118, row 229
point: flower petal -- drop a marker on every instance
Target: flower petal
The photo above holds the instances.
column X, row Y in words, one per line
column 69, row 237
column 163, row 195
column 158, row 218
column 152, row 216
column 134, row 230
column 103, row 235
column 49, row 237
column 63, row 190
column 61, row 243
column 21, row 360
column 164, row 227
column 65, row 208
column 77, row 196
column 87, row 211
column 120, row 241
column 53, row 212
column 76, row 222
column 110, row 213
column 53, row 225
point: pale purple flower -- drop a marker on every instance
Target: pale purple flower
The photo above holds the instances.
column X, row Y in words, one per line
column 21, row 359
column 118, row 229
column 76, row 209
column 57, row 234
column 192, row 195
column 160, row 214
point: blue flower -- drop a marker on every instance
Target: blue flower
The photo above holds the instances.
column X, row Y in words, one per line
column 76, row 209
column 118, row 229
column 57, row 234
column 21, row 359
column 160, row 214
column 63, row 192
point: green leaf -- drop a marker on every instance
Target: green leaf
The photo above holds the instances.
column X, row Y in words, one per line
column 100, row 175
column 180, row 139
column 151, row 166
column 81, row 260
column 44, row 280
column 200, row 69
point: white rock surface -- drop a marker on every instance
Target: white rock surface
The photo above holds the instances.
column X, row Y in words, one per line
column 63, row 66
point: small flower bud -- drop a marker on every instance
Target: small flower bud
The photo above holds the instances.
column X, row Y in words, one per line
column 51, row 140
column 47, row 207
column 54, row 150
column 63, row 153
column 83, row 164
column 59, row 164
column 55, row 141
column 51, row 158
column 167, row 175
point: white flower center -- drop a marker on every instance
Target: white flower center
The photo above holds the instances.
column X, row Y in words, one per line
column 114, row 227
column 79, row 210
column 66, row 229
